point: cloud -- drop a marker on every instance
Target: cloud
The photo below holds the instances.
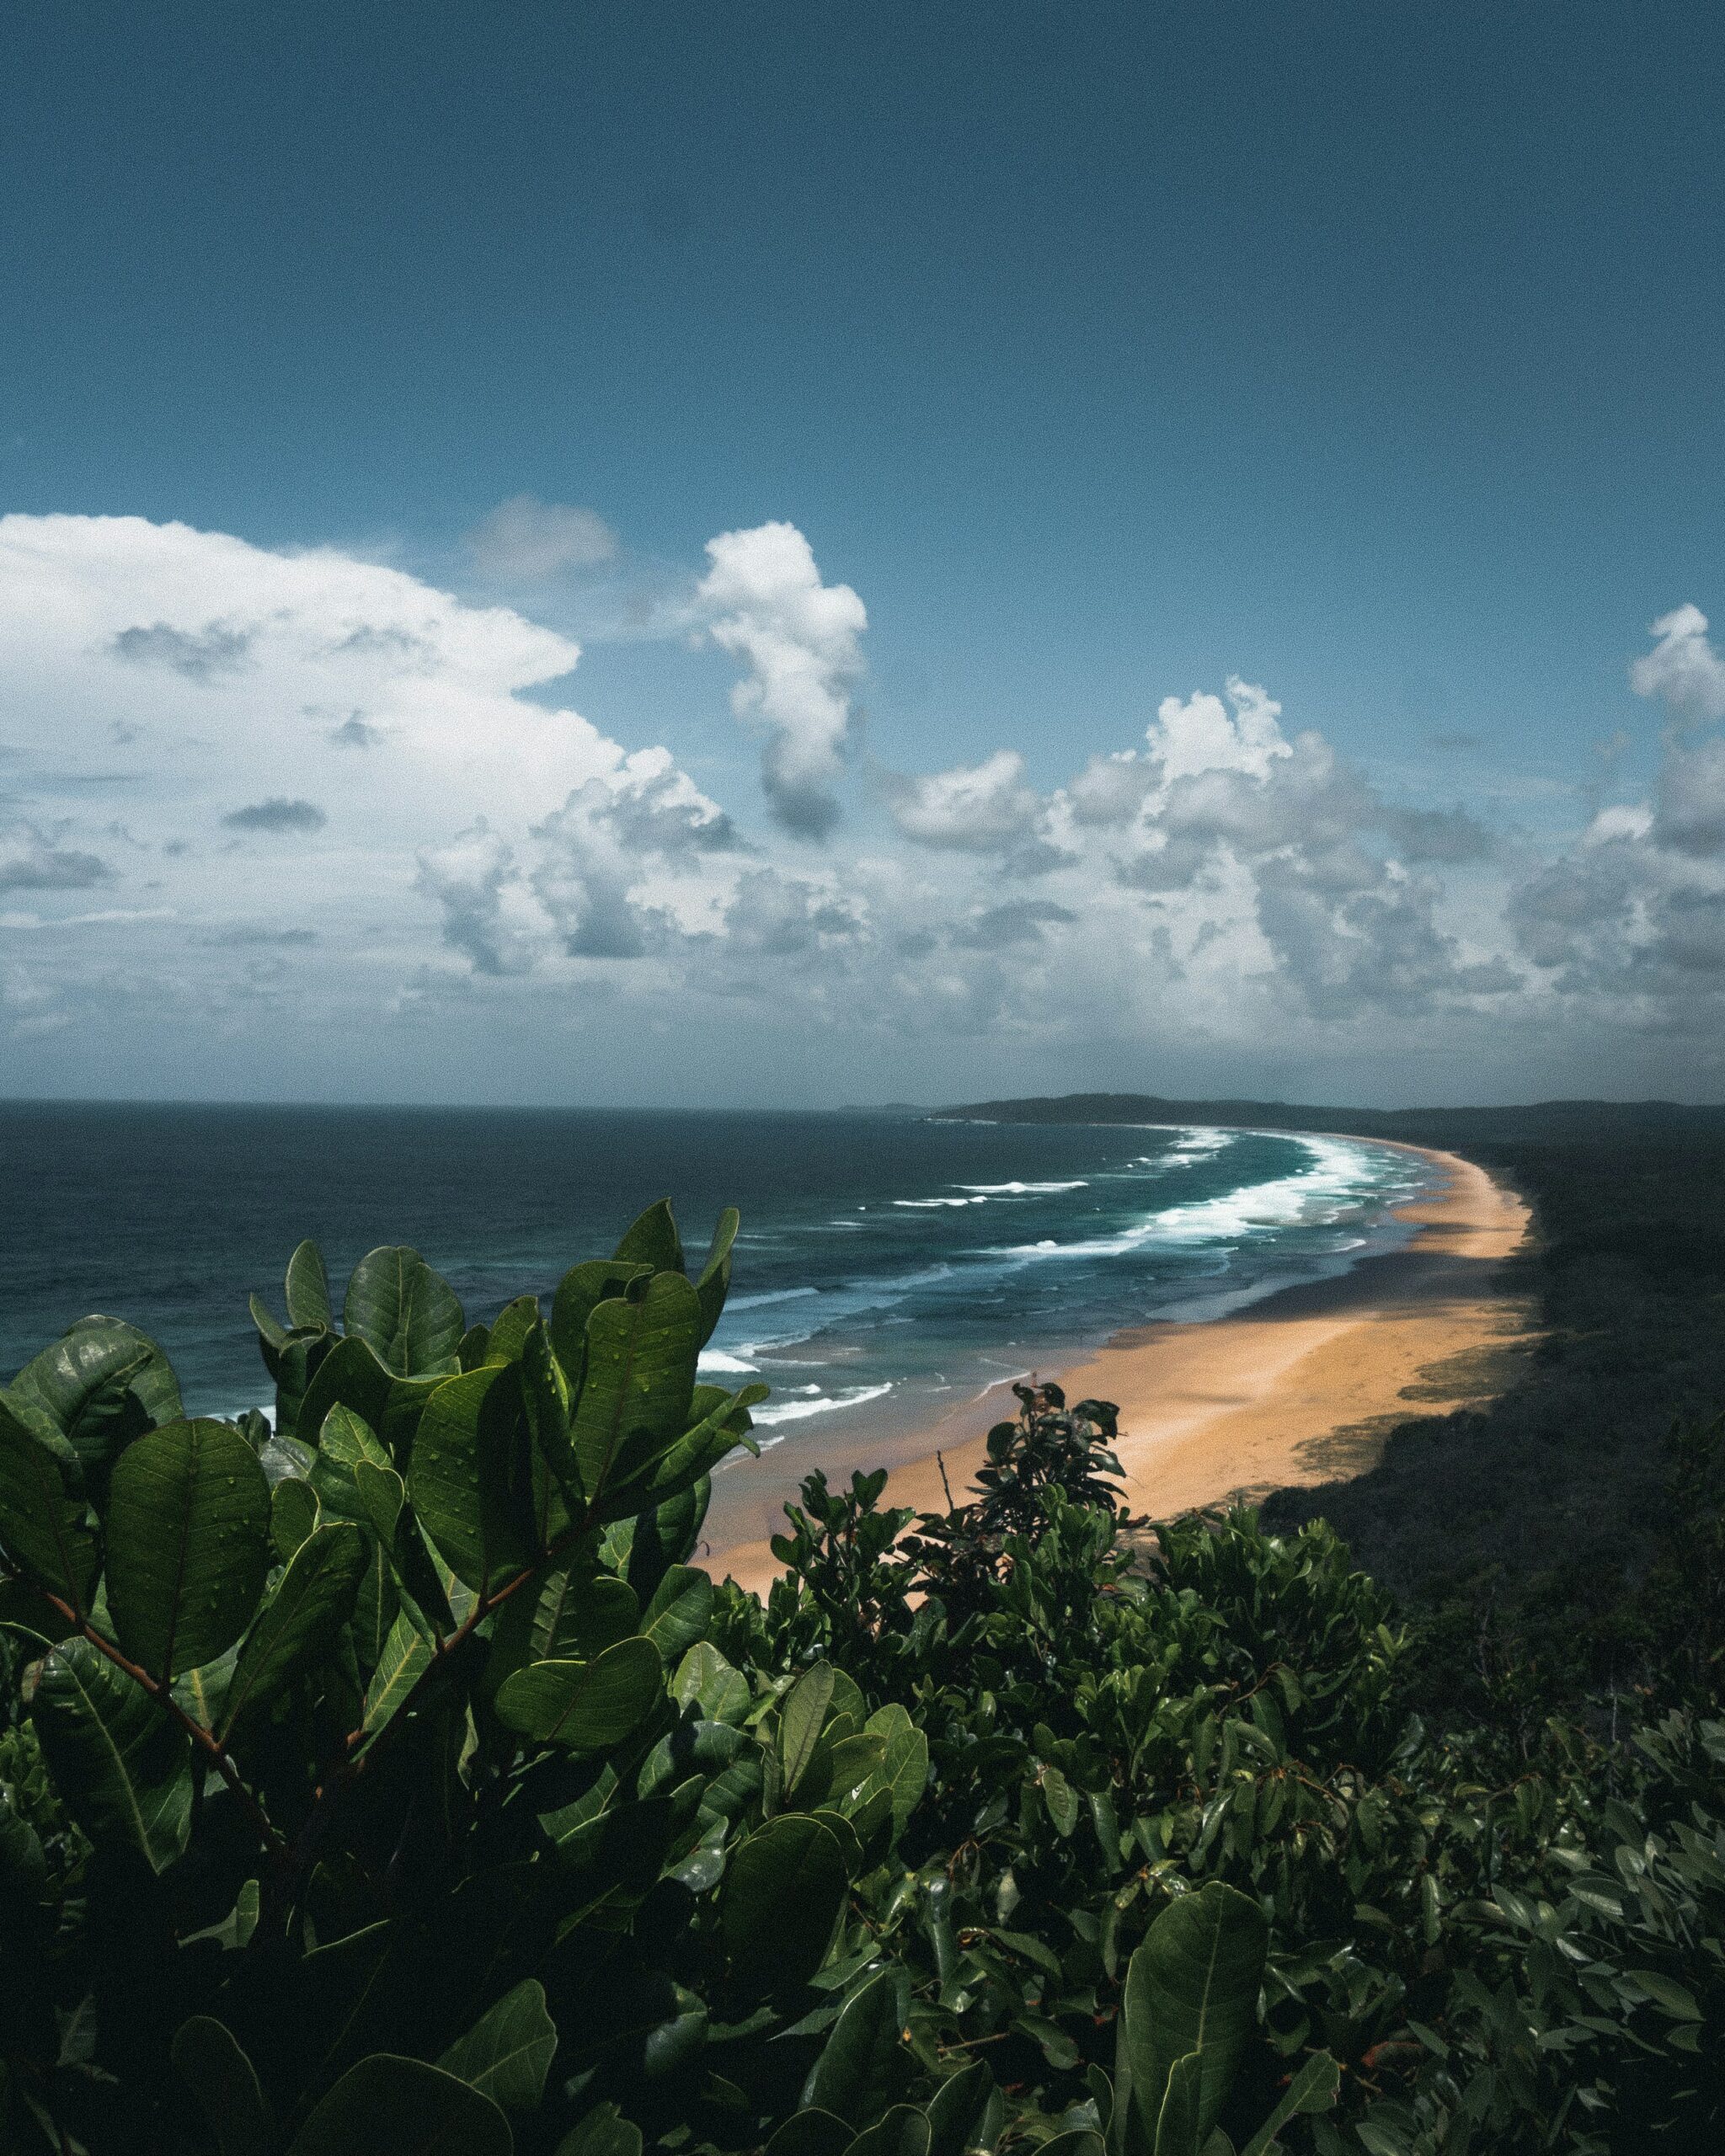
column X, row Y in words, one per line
column 985, row 807
column 798, row 639
column 1446, row 835
column 277, row 813
column 197, row 655
column 355, row 733
column 524, row 540
column 1111, row 789
column 1019, row 922
column 1690, row 814
column 30, row 862
column 1683, row 667
column 495, row 878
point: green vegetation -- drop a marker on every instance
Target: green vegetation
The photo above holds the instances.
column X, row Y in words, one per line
column 389, row 1779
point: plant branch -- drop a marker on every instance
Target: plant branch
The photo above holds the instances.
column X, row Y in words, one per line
column 164, row 1699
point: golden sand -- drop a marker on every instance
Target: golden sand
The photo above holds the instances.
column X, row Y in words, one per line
column 1302, row 1387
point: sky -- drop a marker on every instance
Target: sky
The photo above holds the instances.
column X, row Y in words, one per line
column 795, row 555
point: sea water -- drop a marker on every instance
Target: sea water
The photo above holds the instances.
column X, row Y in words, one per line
column 888, row 1269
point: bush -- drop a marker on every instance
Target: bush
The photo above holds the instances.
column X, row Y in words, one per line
column 387, row 1768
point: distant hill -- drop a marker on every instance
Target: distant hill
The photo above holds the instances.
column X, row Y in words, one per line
column 1553, row 1122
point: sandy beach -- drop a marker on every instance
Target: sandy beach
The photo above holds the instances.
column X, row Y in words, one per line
column 1301, row 1387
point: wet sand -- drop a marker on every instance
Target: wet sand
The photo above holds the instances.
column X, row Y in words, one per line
column 1302, row 1387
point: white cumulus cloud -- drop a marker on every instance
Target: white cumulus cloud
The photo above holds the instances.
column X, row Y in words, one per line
column 799, row 640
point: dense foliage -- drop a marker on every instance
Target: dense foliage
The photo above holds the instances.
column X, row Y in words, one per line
column 384, row 1776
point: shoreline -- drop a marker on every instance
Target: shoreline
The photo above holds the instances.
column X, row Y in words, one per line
column 1299, row 1387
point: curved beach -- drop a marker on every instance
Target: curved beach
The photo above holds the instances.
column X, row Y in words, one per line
column 1300, row 1387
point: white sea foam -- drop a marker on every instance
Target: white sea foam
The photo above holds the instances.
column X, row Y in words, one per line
column 1338, row 1178
column 822, row 1403
column 928, row 1204
column 712, row 1359
column 1019, row 1189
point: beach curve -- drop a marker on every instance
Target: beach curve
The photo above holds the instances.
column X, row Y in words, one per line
column 1296, row 1389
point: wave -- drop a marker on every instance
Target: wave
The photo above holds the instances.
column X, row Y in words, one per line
column 1331, row 1186
column 714, row 1358
column 917, row 1204
column 1009, row 1190
column 822, row 1403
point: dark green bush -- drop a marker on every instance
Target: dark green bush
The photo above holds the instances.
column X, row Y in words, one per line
column 386, row 1777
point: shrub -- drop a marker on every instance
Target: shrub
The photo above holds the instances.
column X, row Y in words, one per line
column 386, row 1767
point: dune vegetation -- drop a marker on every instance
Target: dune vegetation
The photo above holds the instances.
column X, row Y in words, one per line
column 388, row 1777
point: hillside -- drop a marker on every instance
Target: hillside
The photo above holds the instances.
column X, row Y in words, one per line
column 1638, row 1123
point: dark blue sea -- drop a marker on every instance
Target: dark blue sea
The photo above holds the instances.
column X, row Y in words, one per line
column 888, row 1268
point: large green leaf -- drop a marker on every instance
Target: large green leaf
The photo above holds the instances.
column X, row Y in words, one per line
column 388, row 2106
column 297, row 1625
column 406, row 1657
column 586, row 1706
column 1312, row 2089
column 903, row 2132
column 577, row 1614
column 293, row 1513
column 639, row 1377
column 468, row 1477
column 679, row 1613
column 647, row 1477
column 966, row 2112
column 715, row 1283
column 861, row 2059
column 102, row 1384
column 553, row 1485
column 514, row 1322
column 800, row 1716
column 1177, row 2132
column 652, row 1240
column 603, row 2133
column 812, row 2133
column 665, row 1534
column 580, row 1292
column 507, row 2054
column 706, row 1679
column 188, row 1545
column 1191, row 1988
column 345, row 1441
column 350, row 1375
column 783, row 1890
column 307, row 1288
column 406, row 1313
column 903, row 1772
column 43, row 1519
column 122, row 1769
column 225, row 2083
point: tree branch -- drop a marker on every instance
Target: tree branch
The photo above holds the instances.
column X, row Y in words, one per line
column 164, row 1699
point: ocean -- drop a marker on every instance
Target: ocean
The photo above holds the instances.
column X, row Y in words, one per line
column 888, row 1270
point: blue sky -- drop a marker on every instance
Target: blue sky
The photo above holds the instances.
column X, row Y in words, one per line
column 1369, row 356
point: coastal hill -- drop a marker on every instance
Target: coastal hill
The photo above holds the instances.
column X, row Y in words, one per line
column 1550, row 1123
